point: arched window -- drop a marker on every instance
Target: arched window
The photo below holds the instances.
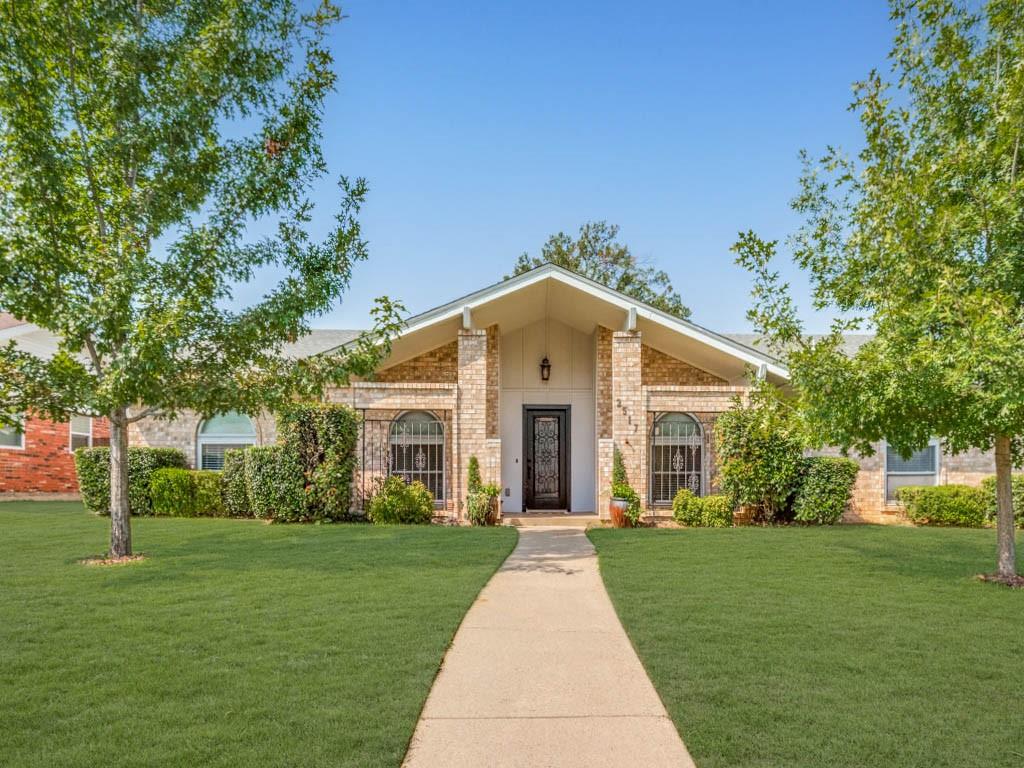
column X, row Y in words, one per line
column 416, row 443
column 677, row 457
column 219, row 433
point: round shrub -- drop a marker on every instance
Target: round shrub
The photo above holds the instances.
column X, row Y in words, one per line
column 396, row 502
column 716, row 511
column 92, row 466
column 947, row 505
column 234, row 496
column 825, row 489
column 686, row 507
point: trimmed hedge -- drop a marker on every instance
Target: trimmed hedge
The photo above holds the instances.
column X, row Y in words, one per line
column 274, row 484
column 825, row 489
column 186, row 493
column 988, row 485
column 92, row 466
column 702, row 511
column 321, row 438
column 952, row 505
column 398, row 502
column 234, row 495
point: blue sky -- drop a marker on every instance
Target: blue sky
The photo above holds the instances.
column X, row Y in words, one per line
column 484, row 127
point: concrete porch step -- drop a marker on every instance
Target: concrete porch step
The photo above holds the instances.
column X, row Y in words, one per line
column 574, row 520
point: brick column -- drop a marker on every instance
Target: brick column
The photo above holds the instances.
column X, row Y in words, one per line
column 470, row 412
column 628, row 417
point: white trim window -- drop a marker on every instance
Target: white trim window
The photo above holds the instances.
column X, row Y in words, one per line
column 221, row 433
column 416, row 443
column 13, row 437
column 676, row 456
column 80, row 430
column 920, row 468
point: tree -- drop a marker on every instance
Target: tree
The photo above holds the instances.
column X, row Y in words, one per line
column 138, row 142
column 921, row 238
column 596, row 254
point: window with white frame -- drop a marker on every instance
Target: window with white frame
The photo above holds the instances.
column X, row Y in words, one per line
column 13, row 435
column 80, row 428
column 920, row 468
column 221, row 433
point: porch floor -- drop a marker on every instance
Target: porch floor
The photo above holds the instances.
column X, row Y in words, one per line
column 542, row 673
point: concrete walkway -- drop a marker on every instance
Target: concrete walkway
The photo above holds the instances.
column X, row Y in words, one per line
column 541, row 673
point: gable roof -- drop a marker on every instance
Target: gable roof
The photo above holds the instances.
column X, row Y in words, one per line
column 582, row 301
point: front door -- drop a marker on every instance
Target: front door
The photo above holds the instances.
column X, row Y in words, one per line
column 546, row 453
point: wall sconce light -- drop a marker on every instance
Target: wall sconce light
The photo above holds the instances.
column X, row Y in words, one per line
column 545, row 370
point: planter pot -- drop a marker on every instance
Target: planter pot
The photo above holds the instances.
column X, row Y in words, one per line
column 494, row 513
column 617, row 508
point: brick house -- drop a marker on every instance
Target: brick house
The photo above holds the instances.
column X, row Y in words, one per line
column 36, row 459
column 539, row 377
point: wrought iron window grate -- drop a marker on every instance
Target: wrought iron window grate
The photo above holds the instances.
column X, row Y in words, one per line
column 676, row 457
column 411, row 446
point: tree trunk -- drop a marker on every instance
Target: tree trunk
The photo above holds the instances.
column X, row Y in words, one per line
column 120, row 514
column 1004, row 509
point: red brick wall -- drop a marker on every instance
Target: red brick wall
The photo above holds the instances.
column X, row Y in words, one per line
column 46, row 464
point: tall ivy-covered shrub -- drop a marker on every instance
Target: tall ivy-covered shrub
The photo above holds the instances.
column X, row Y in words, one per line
column 274, row 482
column 322, row 439
column 92, row 466
column 232, row 484
column 760, row 454
column 825, row 489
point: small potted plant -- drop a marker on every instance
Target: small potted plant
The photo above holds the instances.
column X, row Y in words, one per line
column 483, row 506
column 624, row 506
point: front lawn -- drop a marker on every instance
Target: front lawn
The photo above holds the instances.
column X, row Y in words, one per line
column 826, row 647
column 235, row 644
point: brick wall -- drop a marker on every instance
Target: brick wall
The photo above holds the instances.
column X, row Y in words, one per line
column 471, row 412
column 493, row 381
column 603, row 383
column 627, row 406
column 45, row 466
column 437, row 365
column 181, row 433
column 661, row 369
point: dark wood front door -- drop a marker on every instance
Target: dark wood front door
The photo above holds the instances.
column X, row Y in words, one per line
column 546, row 453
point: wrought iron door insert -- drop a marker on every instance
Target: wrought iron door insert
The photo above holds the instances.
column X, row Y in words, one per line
column 546, row 457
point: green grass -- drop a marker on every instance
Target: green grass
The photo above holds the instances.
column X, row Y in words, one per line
column 235, row 644
column 846, row 646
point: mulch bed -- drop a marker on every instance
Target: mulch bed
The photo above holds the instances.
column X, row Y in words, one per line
column 113, row 560
column 1014, row 582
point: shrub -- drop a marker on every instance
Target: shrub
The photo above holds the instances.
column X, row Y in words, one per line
column 186, row 493
column 206, row 493
column 232, row 484
column 480, row 502
column 760, row 454
column 473, row 481
column 825, row 488
column 960, row 505
column 397, row 502
column 686, row 508
column 274, row 484
column 92, row 465
column 1017, row 484
column 716, row 511
column 172, row 493
column 321, row 437
column 706, row 511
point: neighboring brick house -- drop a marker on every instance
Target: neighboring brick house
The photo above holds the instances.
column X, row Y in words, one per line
column 36, row 457
column 541, row 377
